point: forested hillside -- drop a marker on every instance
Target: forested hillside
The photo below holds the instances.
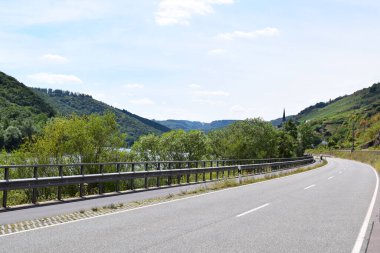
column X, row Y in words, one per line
column 66, row 103
column 22, row 112
column 337, row 119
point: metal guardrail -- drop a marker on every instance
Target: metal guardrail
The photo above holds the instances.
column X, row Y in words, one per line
column 183, row 172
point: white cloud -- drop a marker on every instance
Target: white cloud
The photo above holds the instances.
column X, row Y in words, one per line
column 55, row 78
column 238, row 109
column 180, row 11
column 217, row 93
column 266, row 32
column 134, row 86
column 26, row 12
column 217, row 51
column 207, row 101
column 54, row 58
column 142, row 101
column 194, row 86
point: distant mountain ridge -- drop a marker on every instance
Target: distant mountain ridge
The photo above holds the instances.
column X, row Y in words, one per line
column 66, row 103
column 195, row 125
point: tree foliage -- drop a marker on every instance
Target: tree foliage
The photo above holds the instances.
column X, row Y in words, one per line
column 92, row 138
column 248, row 139
column 176, row 145
column 12, row 138
column 251, row 138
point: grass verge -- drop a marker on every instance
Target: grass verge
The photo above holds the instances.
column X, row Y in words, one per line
column 370, row 158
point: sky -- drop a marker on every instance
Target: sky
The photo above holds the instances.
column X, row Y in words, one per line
column 194, row 59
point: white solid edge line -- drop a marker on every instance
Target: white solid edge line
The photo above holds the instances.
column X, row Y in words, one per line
column 252, row 210
column 310, row 186
column 161, row 203
column 330, row 177
column 360, row 239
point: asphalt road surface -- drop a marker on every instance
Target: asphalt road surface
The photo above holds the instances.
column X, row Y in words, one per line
column 322, row 210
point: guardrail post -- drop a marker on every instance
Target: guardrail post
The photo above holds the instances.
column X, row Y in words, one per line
column 217, row 172
column 158, row 178
column 117, row 182
column 5, row 192
column 34, row 191
column 169, row 177
column 132, row 180
column 239, row 174
column 60, row 172
column 211, row 164
column 188, row 175
column 179, row 177
column 146, row 177
column 196, row 174
column 101, row 184
column 81, row 186
column 204, row 172
column 223, row 164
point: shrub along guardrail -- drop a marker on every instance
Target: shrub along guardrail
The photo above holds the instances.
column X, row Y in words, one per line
column 120, row 176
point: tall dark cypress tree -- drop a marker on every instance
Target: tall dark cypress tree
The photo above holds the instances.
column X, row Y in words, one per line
column 283, row 117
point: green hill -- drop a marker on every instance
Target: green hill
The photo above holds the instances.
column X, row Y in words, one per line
column 334, row 120
column 66, row 103
column 365, row 102
column 195, row 125
column 22, row 112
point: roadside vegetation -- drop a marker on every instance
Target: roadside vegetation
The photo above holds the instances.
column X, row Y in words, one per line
column 371, row 158
column 247, row 139
column 97, row 139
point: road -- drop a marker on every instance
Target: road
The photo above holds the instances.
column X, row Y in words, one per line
column 318, row 211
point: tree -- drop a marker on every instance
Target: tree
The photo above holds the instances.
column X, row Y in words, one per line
column 174, row 145
column 196, row 145
column 12, row 138
column 147, row 148
column 307, row 138
column 27, row 129
column 286, row 145
column 251, row 138
column 92, row 138
column 290, row 128
column 218, row 143
column 1, row 137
